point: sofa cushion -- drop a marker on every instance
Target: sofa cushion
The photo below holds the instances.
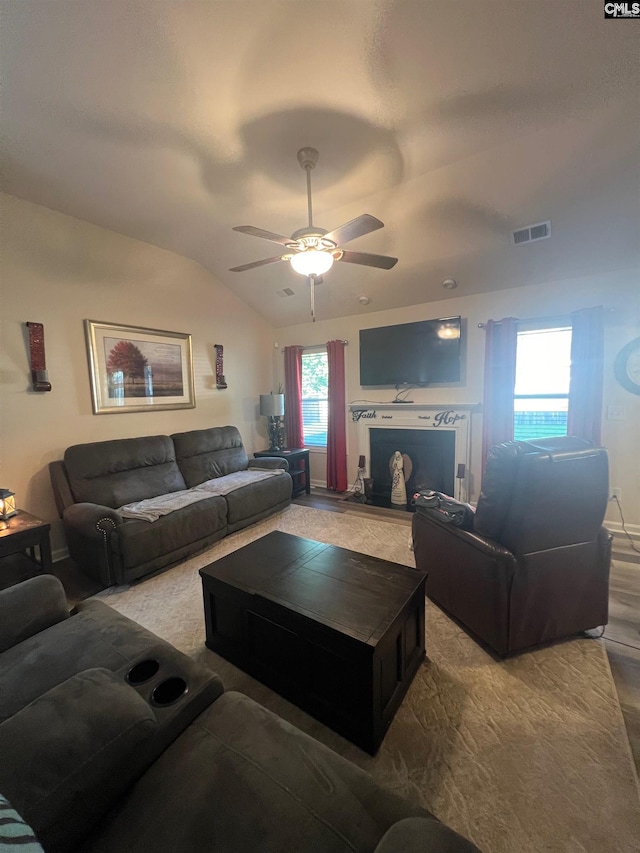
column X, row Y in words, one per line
column 29, row 607
column 497, row 489
column 69, row 755
column 516, row 500
column 203, row 454
column 95, row 636
column 140, row 542
column 114, row 473
column 254, row 782
column 259, row 498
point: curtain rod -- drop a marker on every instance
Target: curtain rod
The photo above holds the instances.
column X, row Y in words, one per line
column 553, row 318
column 314, row 346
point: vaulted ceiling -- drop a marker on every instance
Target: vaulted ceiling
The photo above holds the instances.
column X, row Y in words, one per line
column 454, row 122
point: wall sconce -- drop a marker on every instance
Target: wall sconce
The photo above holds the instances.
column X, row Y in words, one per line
column 272, row 407
column 7, row 504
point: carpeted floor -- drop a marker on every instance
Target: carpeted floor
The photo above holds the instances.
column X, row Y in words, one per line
column 522, row 756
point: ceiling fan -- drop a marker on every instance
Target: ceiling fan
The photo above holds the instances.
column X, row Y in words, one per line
column 311, row 251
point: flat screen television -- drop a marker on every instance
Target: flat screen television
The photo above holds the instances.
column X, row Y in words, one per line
column 422, row 353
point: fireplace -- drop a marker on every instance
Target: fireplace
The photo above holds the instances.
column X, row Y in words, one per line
column 436, row 438
column 429, row 460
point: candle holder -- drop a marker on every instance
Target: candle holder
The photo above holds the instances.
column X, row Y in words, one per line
column 7, row 504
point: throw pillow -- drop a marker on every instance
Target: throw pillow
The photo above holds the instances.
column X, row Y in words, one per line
column 14, row 832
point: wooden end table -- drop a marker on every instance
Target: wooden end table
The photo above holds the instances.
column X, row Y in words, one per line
column 298, row 459
column 20, row 536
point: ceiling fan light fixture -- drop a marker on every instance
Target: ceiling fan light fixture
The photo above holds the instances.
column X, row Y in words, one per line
column 311, row 251
column 312, row 262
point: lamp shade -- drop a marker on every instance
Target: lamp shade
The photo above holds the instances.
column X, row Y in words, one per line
column 312, row 262
column 272, row 405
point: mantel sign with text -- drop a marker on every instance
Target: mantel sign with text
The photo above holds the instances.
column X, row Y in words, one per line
column 446, row 417
column 134, row 369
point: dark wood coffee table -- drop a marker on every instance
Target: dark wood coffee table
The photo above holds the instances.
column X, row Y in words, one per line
column 338, row 633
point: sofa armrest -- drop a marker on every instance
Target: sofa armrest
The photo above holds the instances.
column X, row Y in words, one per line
column 444, row 508
column 88, row 528
column 88, row 518
column 423, row 835
column 461, row 536
column 30, row 607
column 70, row 755
column 271, row 462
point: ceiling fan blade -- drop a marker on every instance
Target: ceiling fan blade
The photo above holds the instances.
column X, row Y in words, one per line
column 383, row 262
column 256, row 264
column 357, row 227
column 266, row 235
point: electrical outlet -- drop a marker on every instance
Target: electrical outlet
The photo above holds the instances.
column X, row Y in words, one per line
column 615, row 493
column 616, row 413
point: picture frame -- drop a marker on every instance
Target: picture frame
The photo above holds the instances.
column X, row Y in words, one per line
column 135, row 369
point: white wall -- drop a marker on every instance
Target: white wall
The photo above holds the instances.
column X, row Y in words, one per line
column 59, row 271
column 617, row 291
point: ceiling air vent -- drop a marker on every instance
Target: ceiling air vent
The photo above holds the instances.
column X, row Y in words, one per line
column 539, row 231
column 286, row 291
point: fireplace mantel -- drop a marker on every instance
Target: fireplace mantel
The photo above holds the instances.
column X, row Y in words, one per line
column 455, row 417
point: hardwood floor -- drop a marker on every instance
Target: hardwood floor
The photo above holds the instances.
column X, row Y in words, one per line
column 333, row 502
column 622, row 640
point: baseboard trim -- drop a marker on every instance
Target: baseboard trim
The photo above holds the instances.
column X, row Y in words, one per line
column 630, row 531
column 59, row 554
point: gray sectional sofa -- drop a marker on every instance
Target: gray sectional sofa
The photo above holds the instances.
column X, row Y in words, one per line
column 111, row 740
column 209, row 467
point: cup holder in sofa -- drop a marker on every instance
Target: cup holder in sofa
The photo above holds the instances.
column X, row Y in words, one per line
column 168, row 691
column 142, row 671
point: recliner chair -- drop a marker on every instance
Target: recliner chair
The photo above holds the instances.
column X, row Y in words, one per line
column 534, row 565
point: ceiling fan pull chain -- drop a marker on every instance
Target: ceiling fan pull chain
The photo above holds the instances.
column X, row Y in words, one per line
column 312, row 285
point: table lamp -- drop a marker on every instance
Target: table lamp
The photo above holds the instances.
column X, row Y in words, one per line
column 272, row 407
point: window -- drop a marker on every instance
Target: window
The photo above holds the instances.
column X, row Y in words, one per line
column 315, row 386
column 541, row 398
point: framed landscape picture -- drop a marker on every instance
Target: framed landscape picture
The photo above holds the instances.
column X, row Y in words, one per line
column 133, row 369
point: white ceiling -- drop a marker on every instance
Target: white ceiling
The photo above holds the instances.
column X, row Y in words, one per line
column 453, row 121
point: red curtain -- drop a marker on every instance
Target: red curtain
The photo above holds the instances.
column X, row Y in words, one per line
column 293, row 396
column 587, row 360
column 499, row 383
column 336, row 426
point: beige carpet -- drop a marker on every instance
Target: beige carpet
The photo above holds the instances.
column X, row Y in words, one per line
column 522, row 756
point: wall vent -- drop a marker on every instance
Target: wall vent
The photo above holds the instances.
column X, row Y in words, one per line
column 539, row 231
column 286, row 291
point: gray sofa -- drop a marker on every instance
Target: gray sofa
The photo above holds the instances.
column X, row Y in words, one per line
column 95, row 480
column 111, row 740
